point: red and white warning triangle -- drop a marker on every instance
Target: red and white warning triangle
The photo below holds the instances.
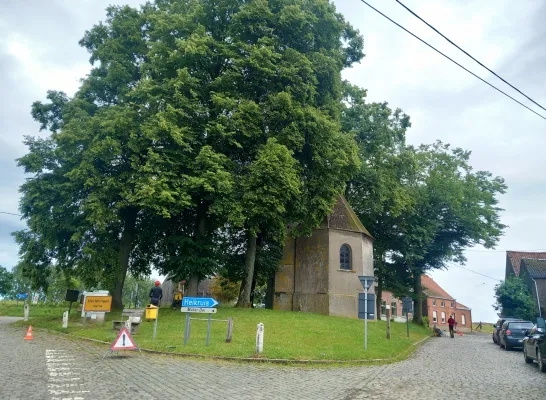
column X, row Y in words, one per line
column 124, row 341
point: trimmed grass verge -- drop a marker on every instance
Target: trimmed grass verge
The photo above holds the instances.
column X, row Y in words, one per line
column 288, row 336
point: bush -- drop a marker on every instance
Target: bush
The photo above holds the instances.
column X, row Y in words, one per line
column 425, row 322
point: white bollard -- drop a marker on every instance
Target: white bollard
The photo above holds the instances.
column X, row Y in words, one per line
column 260, row 339
column 26, row 312
column 65, row 319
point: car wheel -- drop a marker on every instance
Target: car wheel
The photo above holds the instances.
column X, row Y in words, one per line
column 526, row 357
column 541, row 363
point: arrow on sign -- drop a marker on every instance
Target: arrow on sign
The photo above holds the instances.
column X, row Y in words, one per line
column 124, row 341
column 201, row 302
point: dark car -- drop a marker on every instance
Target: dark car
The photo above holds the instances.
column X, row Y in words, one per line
column 534, row 345
column 498, row 327
column 512, row 333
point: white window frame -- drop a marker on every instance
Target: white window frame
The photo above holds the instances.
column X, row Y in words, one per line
column 463, row 319
column 434, row 316
column 443, row 317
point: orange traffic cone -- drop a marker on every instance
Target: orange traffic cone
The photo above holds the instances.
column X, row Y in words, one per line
column 29, row 334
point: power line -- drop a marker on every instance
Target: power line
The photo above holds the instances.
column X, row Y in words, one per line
column 4, row 212
column 452, row 60
column 468, row 269
column 450, row 41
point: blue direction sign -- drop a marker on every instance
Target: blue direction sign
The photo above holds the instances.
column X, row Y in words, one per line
column 201, row 302
column 22, row 296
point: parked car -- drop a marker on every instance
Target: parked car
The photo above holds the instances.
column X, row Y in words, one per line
column 512, row 333
column 534, row 345
column 498, row 327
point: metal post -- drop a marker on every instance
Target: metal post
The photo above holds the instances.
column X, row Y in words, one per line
column 208, row 329
column 187, row 329
column 365, row 314
column 155, row 325
column 407, row 319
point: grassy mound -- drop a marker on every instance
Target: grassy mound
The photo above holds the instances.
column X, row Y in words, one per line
column 287, row 335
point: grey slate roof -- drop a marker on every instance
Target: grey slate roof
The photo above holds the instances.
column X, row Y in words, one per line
column 536, row 268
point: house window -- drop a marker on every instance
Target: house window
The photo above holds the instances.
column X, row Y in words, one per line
column 452, row 304
column 383, row 307
column 434, row 303
column 442, row 304
column 463, row 320
column 434, row 317
column 443, row 317
column 345, row 257
column 393, row 308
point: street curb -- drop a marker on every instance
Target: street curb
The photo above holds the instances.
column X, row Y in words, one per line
column 399, row 357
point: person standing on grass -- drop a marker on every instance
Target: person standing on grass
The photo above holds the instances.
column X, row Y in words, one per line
column 451, row 323
column 156, row 293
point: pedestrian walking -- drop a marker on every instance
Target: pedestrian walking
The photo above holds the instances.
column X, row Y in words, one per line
column 156, row 294
column 451, row 323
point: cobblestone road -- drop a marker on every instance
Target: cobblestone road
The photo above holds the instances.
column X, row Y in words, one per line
column 53, row 367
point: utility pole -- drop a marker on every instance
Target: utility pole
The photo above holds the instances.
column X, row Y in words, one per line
column 388, row 312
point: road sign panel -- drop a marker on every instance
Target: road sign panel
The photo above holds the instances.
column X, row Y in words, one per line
column 199, row 310
column 201, row 302
column 371, row 306
column 97, row 304
column 366, row 281
column 124, row 341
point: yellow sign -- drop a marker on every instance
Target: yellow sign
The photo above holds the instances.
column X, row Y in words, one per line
column 97, row 304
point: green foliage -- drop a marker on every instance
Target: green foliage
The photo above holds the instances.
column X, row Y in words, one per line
column 6, row 281
column 224, row 290
column 513, row 299
column 136, row 290
column 196, row 115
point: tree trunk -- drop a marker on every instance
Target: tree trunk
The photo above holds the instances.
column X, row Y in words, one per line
column 244, row 299
column 193, row 284
column 125, row 247
column 252, row 290
column 378, row 294
column 418, row 293
column 270, row 292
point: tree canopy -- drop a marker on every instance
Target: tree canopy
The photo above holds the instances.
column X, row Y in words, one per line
column 195, row 115
column 513, row 299
column 424, row 205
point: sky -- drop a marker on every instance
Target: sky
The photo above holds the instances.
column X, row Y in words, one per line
column 39, row 51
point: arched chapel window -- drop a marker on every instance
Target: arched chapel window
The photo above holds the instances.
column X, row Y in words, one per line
column 345, row 261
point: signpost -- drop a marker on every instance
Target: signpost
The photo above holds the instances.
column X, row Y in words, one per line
column 200, row 302
column 199, row 310
column 198, row 305
column 367, row 282
column 407, row 307
column 26, row 312
column 35, row 298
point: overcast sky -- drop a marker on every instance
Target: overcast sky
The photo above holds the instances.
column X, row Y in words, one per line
column 39, row 51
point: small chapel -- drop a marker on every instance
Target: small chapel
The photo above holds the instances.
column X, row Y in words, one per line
column 319, row 273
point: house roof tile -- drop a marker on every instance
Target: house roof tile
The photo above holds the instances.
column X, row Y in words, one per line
column 536, row 268
column 516, row 256
column 432, row 289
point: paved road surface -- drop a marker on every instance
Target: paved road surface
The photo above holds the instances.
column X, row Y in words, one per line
column 52, row 367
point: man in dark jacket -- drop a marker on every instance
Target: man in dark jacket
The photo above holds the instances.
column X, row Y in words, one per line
column 451, row 323
column 156, row 293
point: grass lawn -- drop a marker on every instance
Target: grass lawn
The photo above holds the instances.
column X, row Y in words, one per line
column 287, row 335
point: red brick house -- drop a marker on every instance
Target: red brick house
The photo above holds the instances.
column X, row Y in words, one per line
column 438, row 305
